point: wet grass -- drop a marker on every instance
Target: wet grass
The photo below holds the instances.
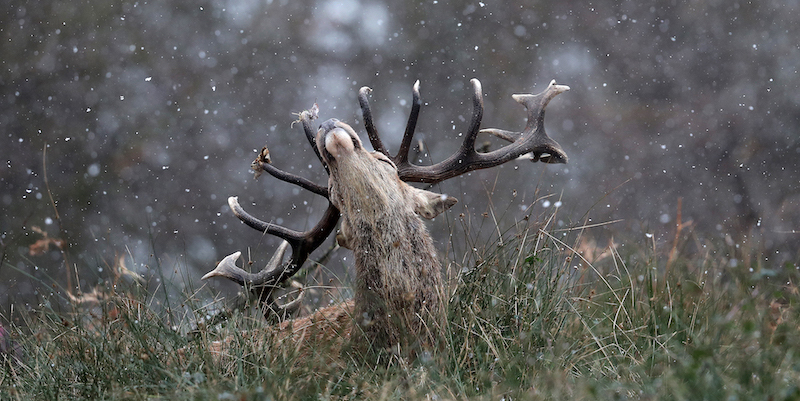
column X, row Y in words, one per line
column 535, row 314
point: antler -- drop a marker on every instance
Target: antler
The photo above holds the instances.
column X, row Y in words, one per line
column 302, row 243
column 533, row 140
column 262, row 284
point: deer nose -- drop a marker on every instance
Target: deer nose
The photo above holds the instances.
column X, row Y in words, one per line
column 337, row 142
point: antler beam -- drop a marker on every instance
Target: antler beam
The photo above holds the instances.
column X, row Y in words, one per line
column 532, row 140
column 275, row 273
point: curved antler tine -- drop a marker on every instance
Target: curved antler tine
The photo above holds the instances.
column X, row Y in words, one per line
column 509, row 136
column 411, row 126
column 536, row 104
column 287, row 309
column 227, row 268
column 468, row 146
column 263, row 226
column 277, row 257
column 306, row 117
column 369, row 124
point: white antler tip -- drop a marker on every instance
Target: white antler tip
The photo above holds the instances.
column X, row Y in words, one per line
column 416, row 86
column 223, row 266
column 559, row 88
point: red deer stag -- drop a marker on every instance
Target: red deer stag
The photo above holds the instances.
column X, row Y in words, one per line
column 399, row 300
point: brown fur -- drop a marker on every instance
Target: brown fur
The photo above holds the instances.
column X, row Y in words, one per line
column 398, row 299
column 319, row 335
column 398, row 304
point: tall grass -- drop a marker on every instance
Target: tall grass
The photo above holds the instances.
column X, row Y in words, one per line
column 537, row 314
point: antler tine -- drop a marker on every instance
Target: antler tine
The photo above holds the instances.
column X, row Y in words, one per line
column 227, row 268
column 302, row 243
column 273, row 229
column 537, row 103
column 543, row 148
column 264, row 163
column 369, row 124
column 468, row 146
column 306, row 116
column 411, row 126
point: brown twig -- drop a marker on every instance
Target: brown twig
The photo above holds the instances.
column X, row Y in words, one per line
column 679, row 226
column 70, row 289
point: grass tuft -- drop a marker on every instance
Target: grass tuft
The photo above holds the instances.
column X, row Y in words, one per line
column 538, row 314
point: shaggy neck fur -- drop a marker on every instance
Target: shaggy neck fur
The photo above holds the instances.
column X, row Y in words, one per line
column 398, row 277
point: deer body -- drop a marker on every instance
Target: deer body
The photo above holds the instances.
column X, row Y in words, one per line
column 398, row 277
column 399, row 300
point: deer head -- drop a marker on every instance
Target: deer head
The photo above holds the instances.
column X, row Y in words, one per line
column 397, row 271
column 371, row 179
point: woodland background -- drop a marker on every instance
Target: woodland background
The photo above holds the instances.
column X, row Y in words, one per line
column 150, row 113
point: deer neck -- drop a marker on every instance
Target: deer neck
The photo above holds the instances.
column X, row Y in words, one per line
column 398, row 275
column 364, row 192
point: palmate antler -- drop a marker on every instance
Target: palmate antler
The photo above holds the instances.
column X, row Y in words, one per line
column 532, row 141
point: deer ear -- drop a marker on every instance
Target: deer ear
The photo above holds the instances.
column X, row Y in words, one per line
column 430, row 204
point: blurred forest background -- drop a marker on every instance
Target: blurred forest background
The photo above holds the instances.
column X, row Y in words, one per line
column 151, row 112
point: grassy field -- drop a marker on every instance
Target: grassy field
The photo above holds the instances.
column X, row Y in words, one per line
column 534, row 314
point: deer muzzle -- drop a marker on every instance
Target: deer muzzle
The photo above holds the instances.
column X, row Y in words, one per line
column 335, row 139
column 337, row 142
